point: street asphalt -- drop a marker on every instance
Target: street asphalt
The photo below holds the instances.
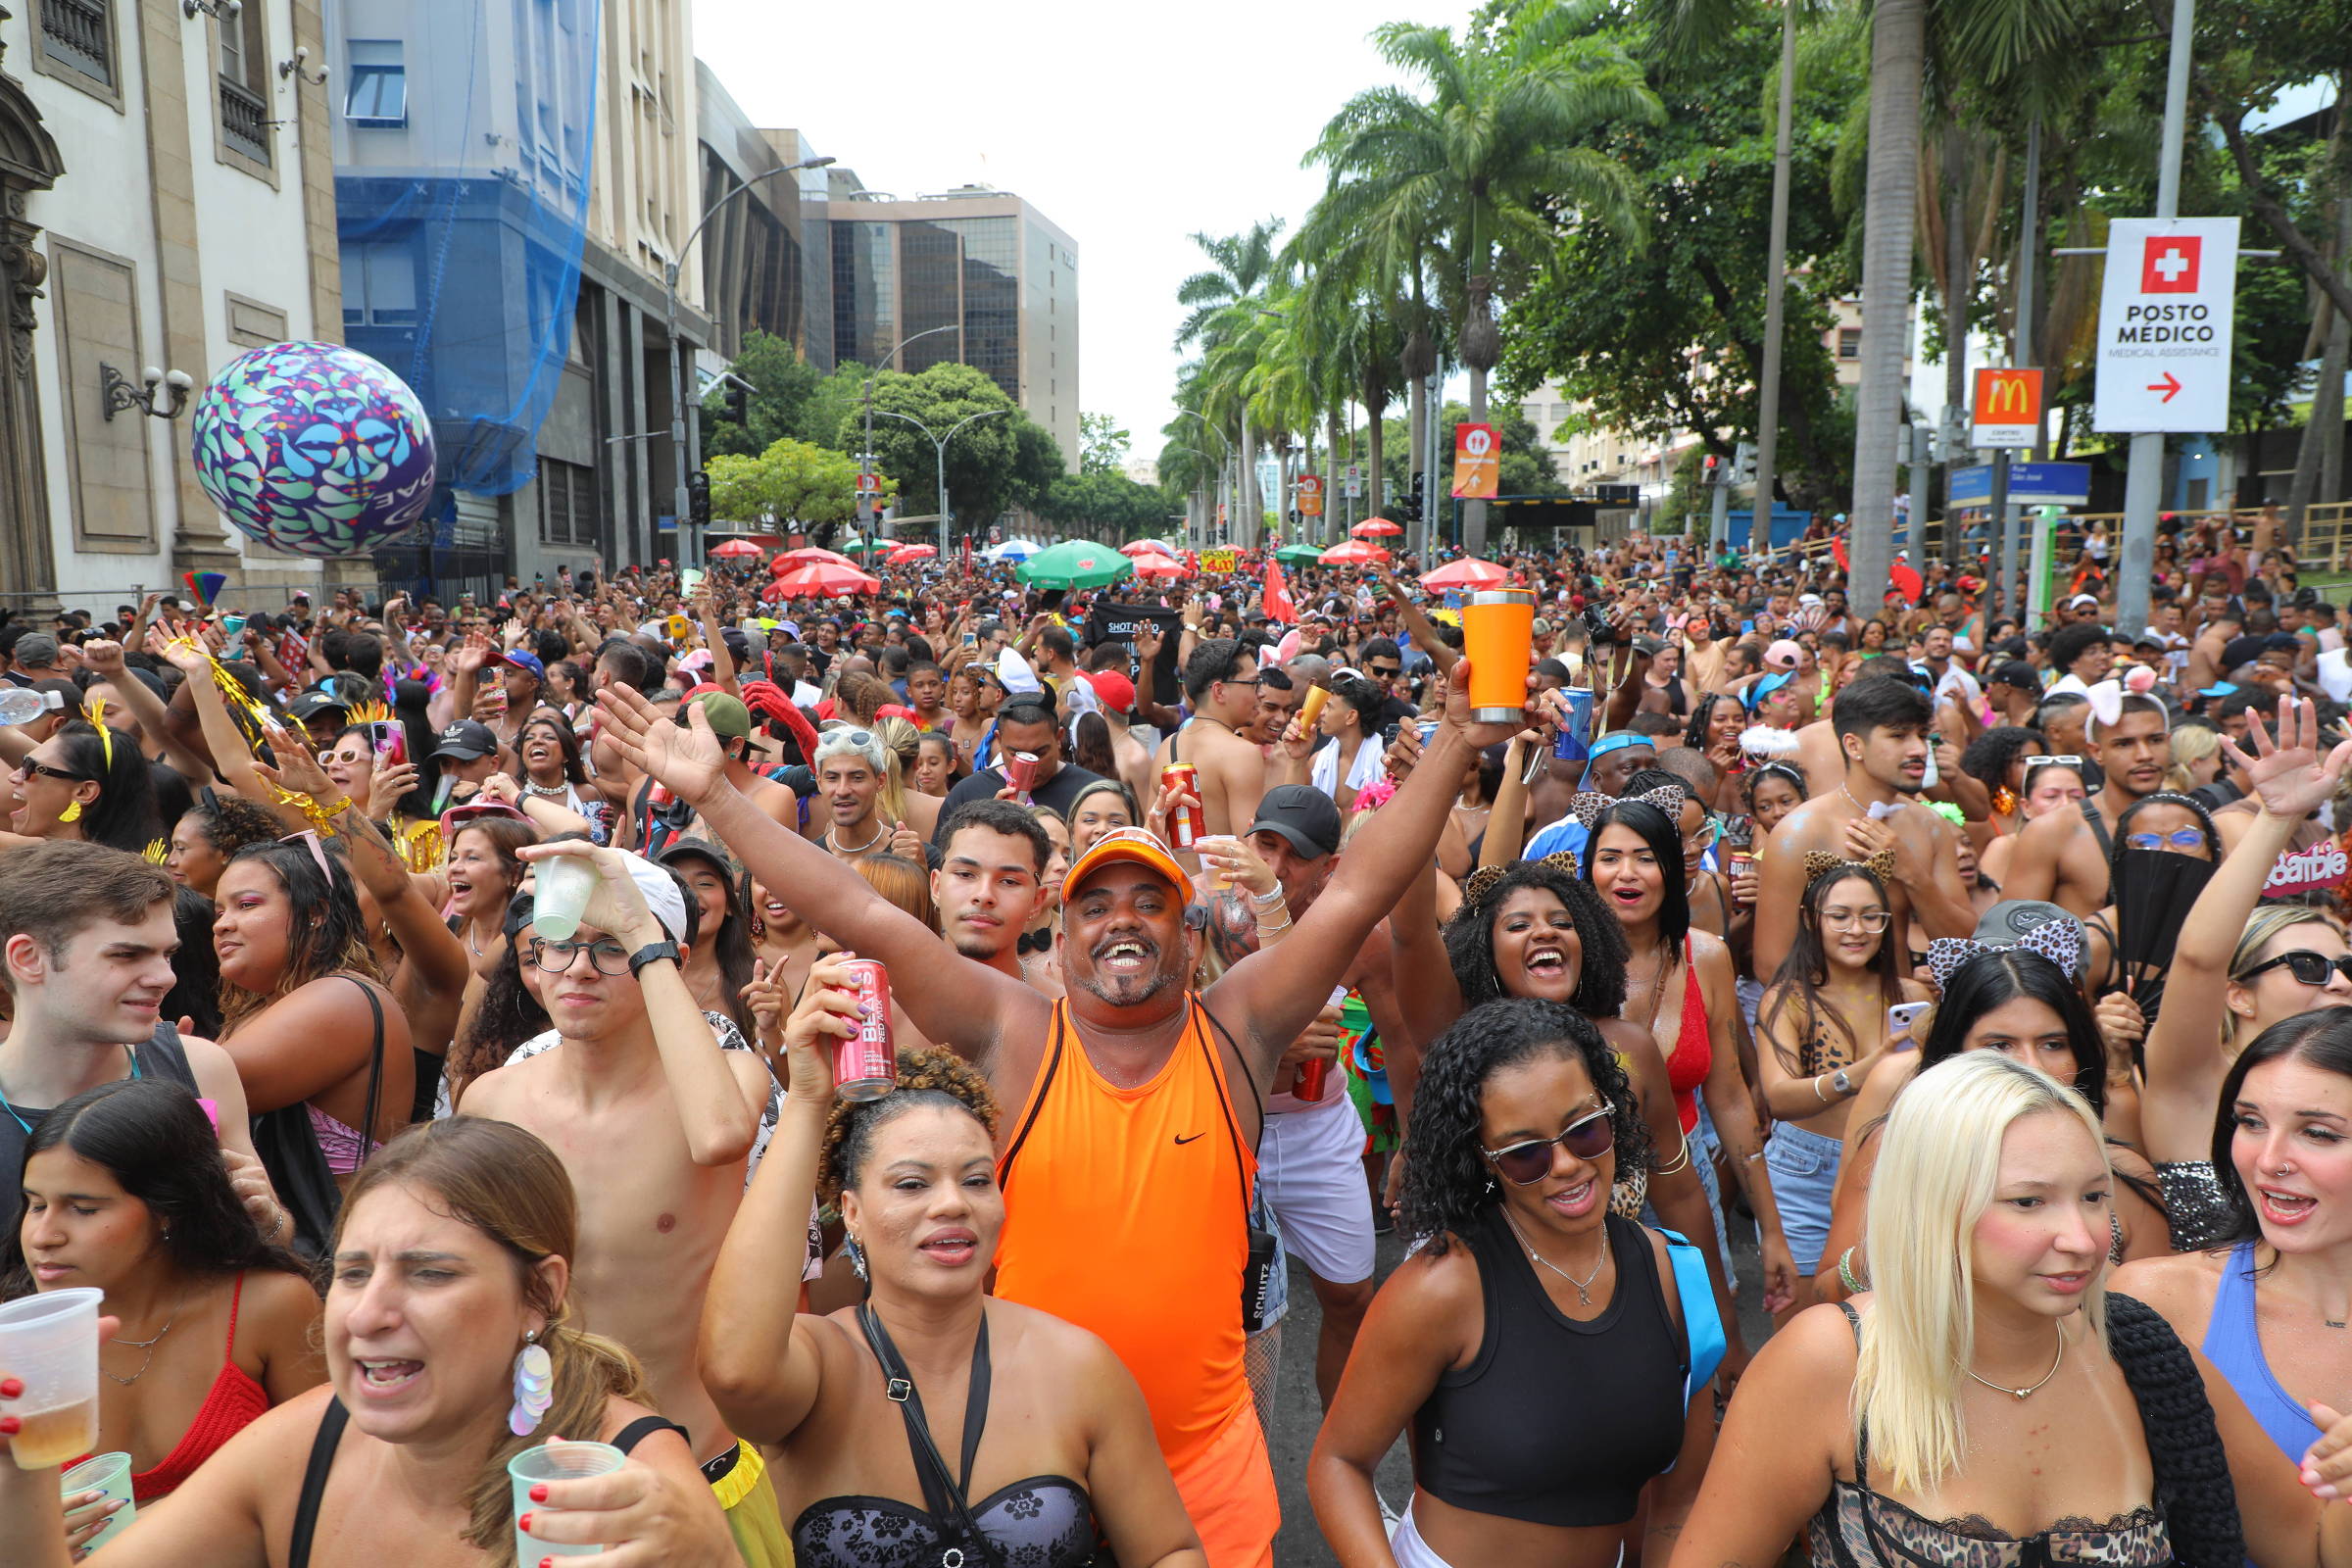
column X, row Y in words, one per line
column 1297, row 1412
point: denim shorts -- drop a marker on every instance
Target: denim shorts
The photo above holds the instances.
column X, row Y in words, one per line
column 1805, row 1173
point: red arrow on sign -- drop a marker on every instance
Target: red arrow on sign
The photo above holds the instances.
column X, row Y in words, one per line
column 2167, row 386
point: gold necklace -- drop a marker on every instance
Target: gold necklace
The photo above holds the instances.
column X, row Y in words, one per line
column 2020, row 1393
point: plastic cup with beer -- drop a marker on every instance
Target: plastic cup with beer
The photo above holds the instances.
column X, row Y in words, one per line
column 1498, row 634
column 554, row 1461
column 109, row 1475
column 49, row 1342
column 561, row 885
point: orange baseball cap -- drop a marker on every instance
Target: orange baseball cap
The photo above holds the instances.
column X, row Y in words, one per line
column 1138, row 845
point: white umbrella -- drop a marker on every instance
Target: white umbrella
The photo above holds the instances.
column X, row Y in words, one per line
column 1012, row 550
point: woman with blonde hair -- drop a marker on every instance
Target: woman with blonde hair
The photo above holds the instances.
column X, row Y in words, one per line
column 452, row 1269
column 2239, row 967
column 2196, row 758
column 1987, row 1401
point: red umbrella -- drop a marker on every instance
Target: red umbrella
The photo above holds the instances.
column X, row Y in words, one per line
column 1355, row 552
column 808, row 555
column 1375, row 527
column 735, row 547
column 913, row 552
column 822, row 580
column 1143, row 547
column 1159, row 565
column 1468, row 573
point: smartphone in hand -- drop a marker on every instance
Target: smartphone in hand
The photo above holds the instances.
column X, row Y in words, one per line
column 1901, row 1020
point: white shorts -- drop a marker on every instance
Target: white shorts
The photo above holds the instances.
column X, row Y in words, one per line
column 1311, row 1171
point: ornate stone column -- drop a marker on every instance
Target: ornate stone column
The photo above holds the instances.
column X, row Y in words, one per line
column 29, row 162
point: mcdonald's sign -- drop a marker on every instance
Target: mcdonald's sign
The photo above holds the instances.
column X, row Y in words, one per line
column 2007, row 410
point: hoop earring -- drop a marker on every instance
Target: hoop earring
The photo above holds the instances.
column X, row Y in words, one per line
column 534, row 1387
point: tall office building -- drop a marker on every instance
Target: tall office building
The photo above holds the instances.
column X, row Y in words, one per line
column 997, row 274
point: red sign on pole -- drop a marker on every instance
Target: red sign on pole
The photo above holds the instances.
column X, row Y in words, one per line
column 1476, row 462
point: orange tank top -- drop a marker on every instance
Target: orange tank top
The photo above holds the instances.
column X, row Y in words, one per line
column 1130, row 1221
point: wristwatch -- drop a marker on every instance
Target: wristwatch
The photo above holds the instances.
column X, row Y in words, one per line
column 1839, row 1080
column 652, row 952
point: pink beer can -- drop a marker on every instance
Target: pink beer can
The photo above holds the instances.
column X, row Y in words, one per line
column 865, row 1065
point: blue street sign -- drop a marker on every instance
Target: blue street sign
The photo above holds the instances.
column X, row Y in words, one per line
column 2031, row 484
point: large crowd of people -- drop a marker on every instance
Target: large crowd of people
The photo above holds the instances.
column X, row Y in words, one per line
column 888, row 1066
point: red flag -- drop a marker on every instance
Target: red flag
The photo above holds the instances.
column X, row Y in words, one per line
column 1278, row 594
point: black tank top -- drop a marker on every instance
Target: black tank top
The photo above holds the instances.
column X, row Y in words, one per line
column 160, row 1056
column 1556, row 1422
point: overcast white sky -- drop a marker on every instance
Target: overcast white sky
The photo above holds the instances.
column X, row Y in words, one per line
column 1130, row 126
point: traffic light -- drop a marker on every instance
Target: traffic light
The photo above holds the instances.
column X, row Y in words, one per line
column 1743, row 464
column 698, row 497
column 1710, row 471
column 739, row 403
column 1409, row 503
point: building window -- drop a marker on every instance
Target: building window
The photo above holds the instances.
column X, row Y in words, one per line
column 78, row 34
column 244, row 110
column 1849, row 342
column 566, row 503
column 378, row 94
column 380, row 285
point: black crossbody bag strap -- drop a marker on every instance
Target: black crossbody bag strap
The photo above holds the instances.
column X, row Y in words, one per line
column 943, row 1494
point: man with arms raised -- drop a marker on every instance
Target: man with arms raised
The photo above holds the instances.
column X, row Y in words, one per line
column 1221, row 682
column 1871, row 815
column 1128, row 1161
column 654, row 1123
column 2062, row 856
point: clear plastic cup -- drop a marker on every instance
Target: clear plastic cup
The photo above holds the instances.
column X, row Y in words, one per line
column 50, row 1343
column 561, row 888
column 108, row 1474
column 554, row 1461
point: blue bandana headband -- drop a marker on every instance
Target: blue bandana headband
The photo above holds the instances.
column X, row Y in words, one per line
column 1611, row 743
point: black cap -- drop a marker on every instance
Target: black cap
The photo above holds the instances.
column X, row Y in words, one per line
column 2018, row 673
column 1303, row 815
column 464, row 741
column 309, row 705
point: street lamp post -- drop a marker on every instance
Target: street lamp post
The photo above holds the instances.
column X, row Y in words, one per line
column 939, row 445
column 865, row 459
column 677, row 387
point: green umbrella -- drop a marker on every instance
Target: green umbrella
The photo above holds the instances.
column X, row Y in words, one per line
column 1074, row 563
column 1298, row 555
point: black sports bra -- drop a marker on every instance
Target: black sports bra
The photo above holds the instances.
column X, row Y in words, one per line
column 1039, row 1522
column 331, row 1422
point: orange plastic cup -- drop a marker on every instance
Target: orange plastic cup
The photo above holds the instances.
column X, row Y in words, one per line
column 1498, row 634
column 1311, row 708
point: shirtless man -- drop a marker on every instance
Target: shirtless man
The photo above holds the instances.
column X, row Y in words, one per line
column 1882, row 728
column 1221, row 681
column 1148, row 1248
column 2062, row 856
column 654, row 1122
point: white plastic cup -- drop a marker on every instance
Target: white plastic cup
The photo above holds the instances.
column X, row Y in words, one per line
column 689, row 579
column 554, row 1461
column 49, row 1342
column 562, row 885
column 108, row 1474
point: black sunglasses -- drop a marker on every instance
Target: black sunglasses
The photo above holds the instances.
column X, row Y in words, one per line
column 2309, row 968
column 1588, row 1138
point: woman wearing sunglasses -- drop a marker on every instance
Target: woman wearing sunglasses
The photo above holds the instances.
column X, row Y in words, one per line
column 2238, row 968
column 2141, row 887
column 1823, row 1026
column 1541, row 1349
column 2044, row 783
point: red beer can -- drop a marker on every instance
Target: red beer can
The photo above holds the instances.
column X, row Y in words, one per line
column 1185, row 823
column 1312, row 1075
column 865, row 1065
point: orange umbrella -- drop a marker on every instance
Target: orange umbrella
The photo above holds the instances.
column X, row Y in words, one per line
column 1375, row 527
column 1468, row 573
column 1355, row 552
column 822, row 580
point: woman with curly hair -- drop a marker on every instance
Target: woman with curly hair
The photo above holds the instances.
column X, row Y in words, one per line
column 1543, row 1350
column 1057, row 1443
column 321, row 1043
column 216, row 828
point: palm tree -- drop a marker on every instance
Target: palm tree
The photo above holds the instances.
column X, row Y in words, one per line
column 1224, row 300
column 1478, row 162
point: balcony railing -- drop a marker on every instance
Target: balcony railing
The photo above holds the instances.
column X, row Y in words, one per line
column 245, row 120
column 74, row 32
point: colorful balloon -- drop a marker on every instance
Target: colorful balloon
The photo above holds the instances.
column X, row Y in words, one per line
column 314, row 449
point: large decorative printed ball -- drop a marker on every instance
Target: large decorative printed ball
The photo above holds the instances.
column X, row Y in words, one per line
column 314, row 449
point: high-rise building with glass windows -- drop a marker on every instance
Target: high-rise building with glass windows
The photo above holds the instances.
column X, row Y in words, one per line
column 984, row 264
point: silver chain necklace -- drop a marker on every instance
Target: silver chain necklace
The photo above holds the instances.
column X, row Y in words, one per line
column 144, row 1344
column 1584, row 1287
column 2020, row 1393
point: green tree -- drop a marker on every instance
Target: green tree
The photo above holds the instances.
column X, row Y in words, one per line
column 1109, row 507
column 993, row 463
column 791, row 482
column 1102, row 444
column 1492, row 156
column 822, row 414
column 1223, row 302
column 781, row 382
